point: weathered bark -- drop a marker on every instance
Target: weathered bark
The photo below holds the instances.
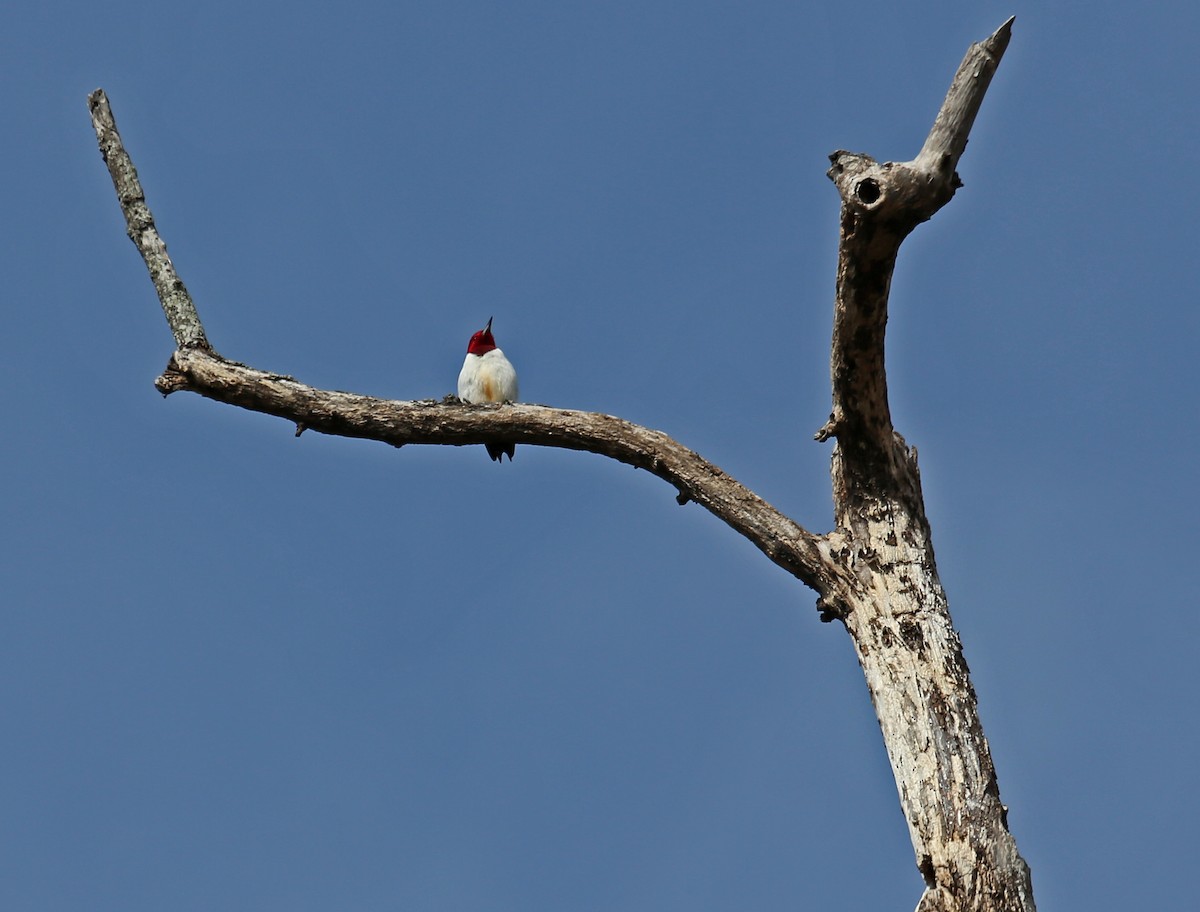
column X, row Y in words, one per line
column 139, row 225
column 897, row 615
column 449, row 421
column 875, row 571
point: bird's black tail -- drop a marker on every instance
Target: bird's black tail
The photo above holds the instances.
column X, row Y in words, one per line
column 498, row 450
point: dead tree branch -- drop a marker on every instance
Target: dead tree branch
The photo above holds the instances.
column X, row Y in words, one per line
column 139, row 224
column 195, row 367
column 804, row 555
column 875, row 571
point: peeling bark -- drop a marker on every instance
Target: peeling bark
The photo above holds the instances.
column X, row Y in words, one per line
column 875, row 571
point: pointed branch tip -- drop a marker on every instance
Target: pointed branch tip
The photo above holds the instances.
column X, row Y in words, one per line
column 1002, row 35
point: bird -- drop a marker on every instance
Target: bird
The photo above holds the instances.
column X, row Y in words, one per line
column 488, row 376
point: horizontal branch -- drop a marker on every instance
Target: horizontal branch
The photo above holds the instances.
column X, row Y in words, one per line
column 452, row 422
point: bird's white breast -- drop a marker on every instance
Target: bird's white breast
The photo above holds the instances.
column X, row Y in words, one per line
column 487, row 378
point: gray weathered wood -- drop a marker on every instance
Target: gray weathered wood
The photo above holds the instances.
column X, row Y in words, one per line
column 139, row 223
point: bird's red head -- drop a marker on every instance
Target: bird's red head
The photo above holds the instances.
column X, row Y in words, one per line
column 483, row 341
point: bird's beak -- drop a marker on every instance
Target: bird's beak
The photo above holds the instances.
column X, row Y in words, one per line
column 488, row 328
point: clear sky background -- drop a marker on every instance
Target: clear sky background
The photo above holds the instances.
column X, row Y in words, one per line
column 244, row 671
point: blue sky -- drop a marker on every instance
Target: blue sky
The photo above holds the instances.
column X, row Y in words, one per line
column 244, row 671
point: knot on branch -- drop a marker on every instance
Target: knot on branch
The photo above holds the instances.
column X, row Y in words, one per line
column 829, row 610
column 828, row 429
column 899, row 194
column 172, row 380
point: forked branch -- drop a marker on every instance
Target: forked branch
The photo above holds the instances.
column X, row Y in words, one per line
column 881, row 204
column 195, row 367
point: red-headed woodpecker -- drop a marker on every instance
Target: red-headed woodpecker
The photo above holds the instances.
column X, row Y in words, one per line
column 487, row 376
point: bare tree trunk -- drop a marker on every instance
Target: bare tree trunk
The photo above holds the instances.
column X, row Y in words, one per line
column 897, row 614
column 875, row 571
